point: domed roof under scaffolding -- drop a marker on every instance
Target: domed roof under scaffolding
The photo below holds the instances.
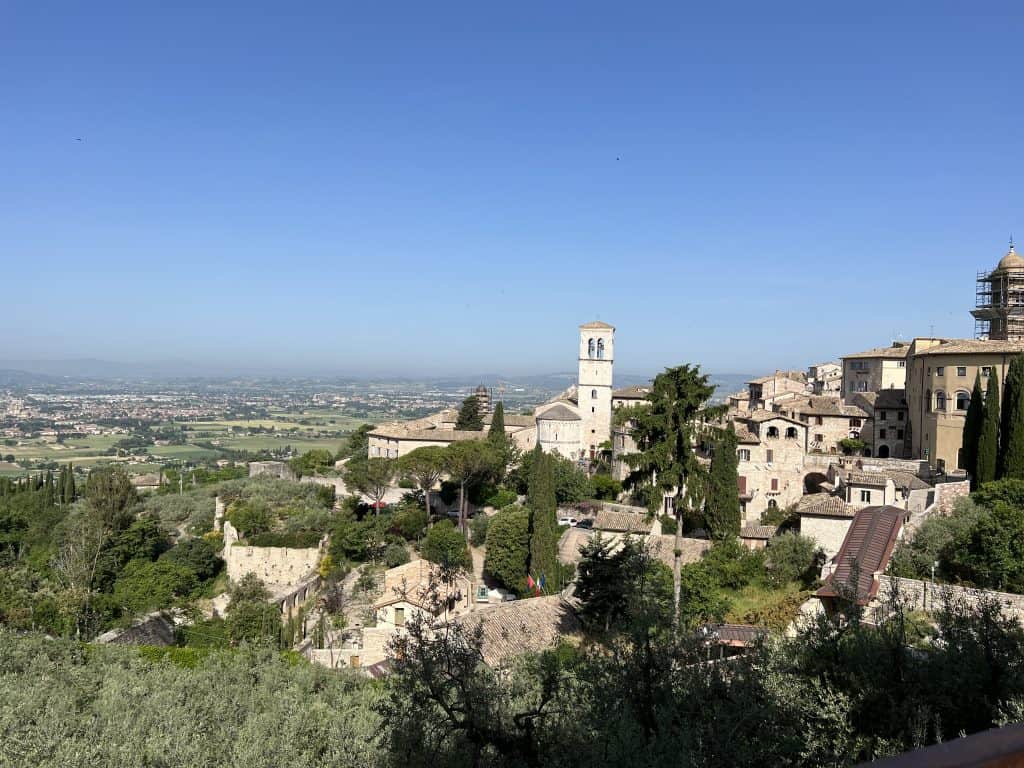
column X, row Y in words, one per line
column 1011, row 260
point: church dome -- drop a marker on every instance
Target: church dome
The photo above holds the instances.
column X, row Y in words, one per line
column 1011, row 260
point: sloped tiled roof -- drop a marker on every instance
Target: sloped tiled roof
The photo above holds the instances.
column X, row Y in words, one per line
column 663, row 548
column 867, row 548
column 891, row 399
column 626, row 522
column 818, row 405
column 744, row 436
column 823, row 505
column 893, row 352
column 975, row 346
column 635, row 392
column 875, row 479
column 758, row 531
column 791, row 375
column 413, row 583
column 522, row 626
column 559, row 413
column 738, row 635
column 598, row 325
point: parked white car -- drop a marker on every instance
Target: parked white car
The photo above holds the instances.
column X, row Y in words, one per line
column 567, row 521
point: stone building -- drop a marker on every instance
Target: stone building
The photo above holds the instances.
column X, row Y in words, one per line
column 826, row 379
column 766, row 391
column 829, row 421
column 876, row 369
column 939, row 384
column 770, row 452
column 574, row 425
column 887, row 431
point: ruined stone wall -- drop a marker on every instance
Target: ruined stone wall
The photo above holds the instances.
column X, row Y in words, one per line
column 271, row 565
column 274, row 468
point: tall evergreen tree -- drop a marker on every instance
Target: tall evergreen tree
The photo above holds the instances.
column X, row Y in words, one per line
column 972, row 431
column 722, row 503
column 988, row 441
column 543, row 521
column 470, row 417
column 1011, row 435
column 665, row 431
column 69, row 485
column 496, row 434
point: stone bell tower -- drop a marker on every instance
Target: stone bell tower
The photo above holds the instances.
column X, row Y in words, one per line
column 594, row 396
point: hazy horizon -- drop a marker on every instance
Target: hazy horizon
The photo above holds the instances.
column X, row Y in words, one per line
column 456, row 188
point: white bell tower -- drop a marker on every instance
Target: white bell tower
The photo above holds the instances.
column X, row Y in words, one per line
column 594, row 396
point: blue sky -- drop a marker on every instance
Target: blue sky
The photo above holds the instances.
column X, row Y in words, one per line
column 454, row 187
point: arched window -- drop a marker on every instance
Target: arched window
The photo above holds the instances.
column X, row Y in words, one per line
column 591, row 346
column 791, row 433
column 593, row 394
column 772, row 504
column 600, row 349
column 963, row 399
column 773, row 431
column 940, row 400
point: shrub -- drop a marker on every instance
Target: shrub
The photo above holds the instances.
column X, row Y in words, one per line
column 668, row 525
column 478, row 530
column 200, row 555
column 409, row 522
column 145, row 585
column 446, row 545
column 396, row 555
column 792, row 557
column 606, row 487
column 501, row 498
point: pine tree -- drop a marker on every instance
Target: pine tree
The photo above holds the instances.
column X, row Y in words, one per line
column 988, row 440
column 972, row 431
column 1011, row 436
column 722, row 504
column 543, row 521
column 470, row 417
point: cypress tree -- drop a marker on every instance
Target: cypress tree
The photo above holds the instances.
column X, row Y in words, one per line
column 1011, row 436
column 69, row 485
column 543, row 521
column 722, row 503
column 972, row 431
column 496, row 434
column 988, row 440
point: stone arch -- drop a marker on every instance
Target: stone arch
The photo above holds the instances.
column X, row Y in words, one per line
column 591, row 348
column 600, row 349
column 883, row 451
column 813, row 481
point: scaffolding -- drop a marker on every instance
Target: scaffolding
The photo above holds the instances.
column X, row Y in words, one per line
column 999, row 305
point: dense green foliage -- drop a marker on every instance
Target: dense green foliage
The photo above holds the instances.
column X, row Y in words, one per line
column 470, row 417
column 980, row 544
column 722, row 501
column 972, row 431
column 571, row 484
column 312, row 462
column 986, row 459
column 1011, row 432
column 606, row 487
column 478, row 530
column 792, row 557
column 444, row 544
column 508, row 548
column 544, row 533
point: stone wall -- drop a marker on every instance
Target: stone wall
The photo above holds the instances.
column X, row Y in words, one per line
column 274, row 468
column 829, row 532
column 926, row 596
column 946, row 495
column 335, row 482
column 271, row 565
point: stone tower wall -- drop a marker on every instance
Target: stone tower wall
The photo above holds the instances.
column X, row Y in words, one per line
column 595, row 388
